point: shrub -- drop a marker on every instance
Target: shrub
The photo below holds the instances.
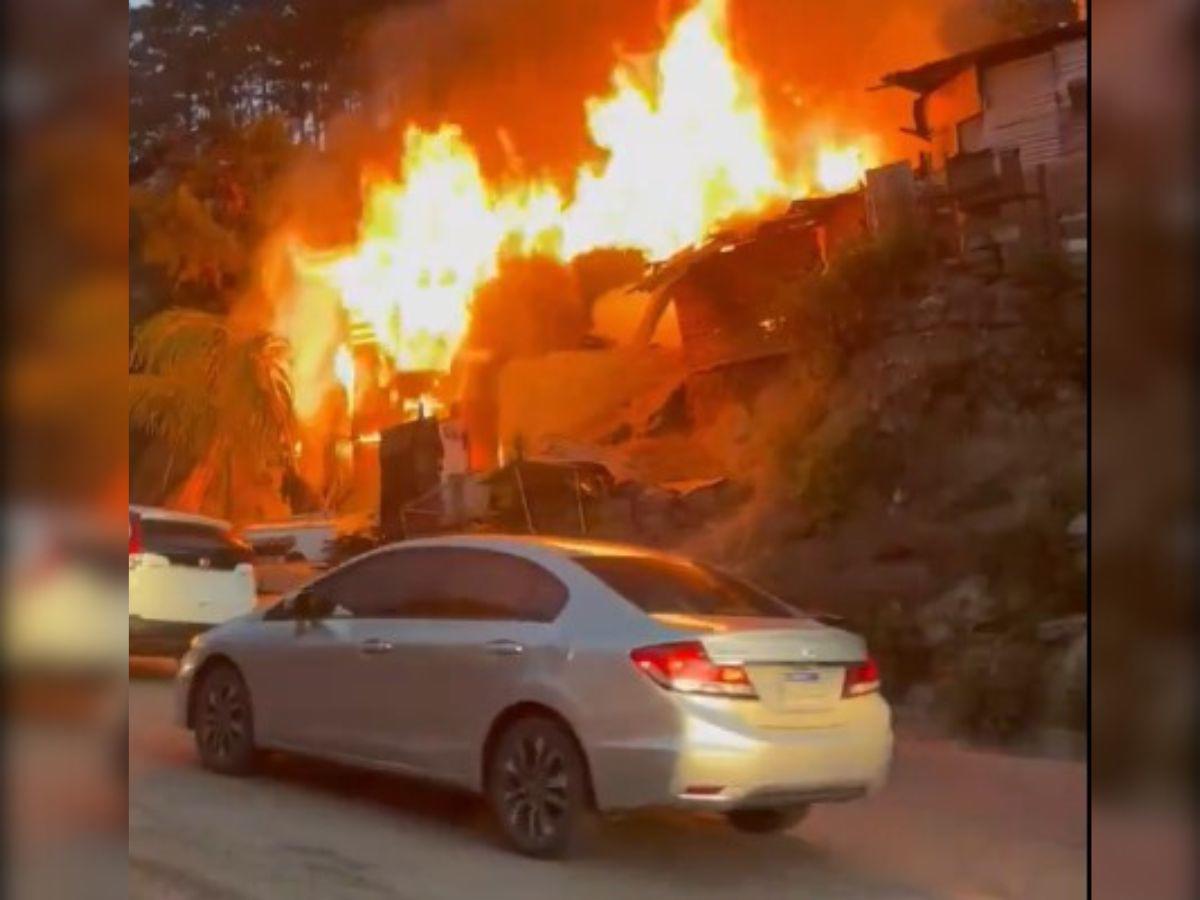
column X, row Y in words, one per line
column 835, row 313
column 1033, row 566
column 1046, row 273
column 991, row 688
column 830, row 468
column 885, row 265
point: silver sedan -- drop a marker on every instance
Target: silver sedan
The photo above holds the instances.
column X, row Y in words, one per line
column 557, row 678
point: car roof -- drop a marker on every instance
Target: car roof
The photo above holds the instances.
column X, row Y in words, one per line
column 521, row 543
column 305, row 525
column 313, row 521
column 161, row 514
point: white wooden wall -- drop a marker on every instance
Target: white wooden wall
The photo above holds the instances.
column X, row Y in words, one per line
column 1026, row 103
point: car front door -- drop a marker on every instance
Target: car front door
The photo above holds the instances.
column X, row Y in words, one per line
column 306, row 674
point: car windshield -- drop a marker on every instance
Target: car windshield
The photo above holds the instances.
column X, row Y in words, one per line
column 656, row 585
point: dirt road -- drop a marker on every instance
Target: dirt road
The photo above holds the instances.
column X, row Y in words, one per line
column 953, row 823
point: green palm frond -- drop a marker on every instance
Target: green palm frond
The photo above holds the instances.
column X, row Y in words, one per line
column 179, row 340
column 203, row 386
column 176, row 410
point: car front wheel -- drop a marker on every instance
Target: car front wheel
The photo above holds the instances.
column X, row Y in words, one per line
column 224, row 721
column 537, row 787
column 766, row 821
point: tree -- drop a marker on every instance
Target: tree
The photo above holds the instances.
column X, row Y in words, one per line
column 192, row 61
column 216, row 394
column 199, row 221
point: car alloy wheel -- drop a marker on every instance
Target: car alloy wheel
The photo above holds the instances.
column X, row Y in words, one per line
column 224, row 722
column 537, row 787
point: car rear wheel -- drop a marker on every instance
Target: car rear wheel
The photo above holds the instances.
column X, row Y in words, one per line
column 224, row 721
column 766, row 821
column 537, row 787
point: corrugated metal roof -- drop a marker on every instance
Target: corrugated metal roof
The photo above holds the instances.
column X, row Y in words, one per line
column 933, row 75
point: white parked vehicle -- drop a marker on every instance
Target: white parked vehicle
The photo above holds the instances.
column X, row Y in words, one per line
column 187, row 573
column 303, row 538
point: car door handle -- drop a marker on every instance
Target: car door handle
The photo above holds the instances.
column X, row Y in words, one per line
column 375, row 645
column 504, row 648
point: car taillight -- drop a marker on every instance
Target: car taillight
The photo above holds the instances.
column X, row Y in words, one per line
column 686, row 668
column 861, row 678
column 135, row 535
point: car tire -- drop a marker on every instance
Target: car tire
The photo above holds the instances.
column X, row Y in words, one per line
column 224, row 721
column 766, row 821
column 537, row 787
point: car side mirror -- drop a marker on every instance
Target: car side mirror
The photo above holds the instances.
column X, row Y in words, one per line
column 312, row 606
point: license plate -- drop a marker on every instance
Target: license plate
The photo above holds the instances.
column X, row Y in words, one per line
column 806, row 687
column 803, row 676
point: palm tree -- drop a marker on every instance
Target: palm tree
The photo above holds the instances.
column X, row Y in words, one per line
column 217, row 395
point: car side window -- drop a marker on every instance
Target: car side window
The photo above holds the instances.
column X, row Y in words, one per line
column 355, row 589
column 365, row 589
column 460, row 584
column 454, row 583
column 193, row 543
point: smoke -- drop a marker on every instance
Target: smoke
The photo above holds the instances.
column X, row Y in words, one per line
column 815, row 63
column 531, row 307
column 516, row 74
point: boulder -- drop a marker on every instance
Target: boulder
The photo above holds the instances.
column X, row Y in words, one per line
column 961, row 609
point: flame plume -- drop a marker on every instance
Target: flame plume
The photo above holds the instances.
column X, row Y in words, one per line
column 687, row 146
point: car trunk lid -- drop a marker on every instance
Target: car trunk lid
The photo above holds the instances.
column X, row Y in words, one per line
column 797, row 666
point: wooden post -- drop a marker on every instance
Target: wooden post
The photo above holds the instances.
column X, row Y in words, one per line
column 579, row 503
column 524, row 500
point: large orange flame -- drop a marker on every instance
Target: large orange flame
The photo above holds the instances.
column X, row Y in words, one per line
column 686, row 146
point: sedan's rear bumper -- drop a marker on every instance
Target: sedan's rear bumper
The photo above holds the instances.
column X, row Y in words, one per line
column 715, row 765
column 785, row 768
column 775, row 798
column 182, row 691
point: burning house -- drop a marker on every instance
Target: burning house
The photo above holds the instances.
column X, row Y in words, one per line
column 716, row 293
column 695, row 339
column 685, row 147
column 1004, row 128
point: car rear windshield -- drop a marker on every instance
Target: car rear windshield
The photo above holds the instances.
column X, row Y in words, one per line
column 667, row 586
column 193, row 543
